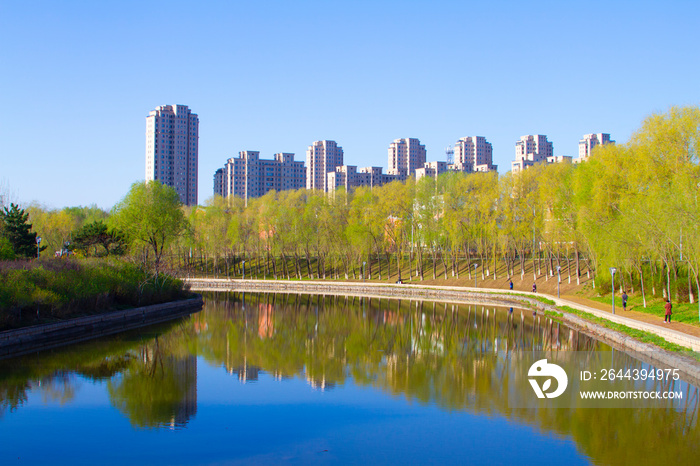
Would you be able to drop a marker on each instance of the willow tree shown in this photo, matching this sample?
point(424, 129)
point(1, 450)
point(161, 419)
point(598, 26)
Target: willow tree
point(522, 214)
point(394, 206)
point(150, 215)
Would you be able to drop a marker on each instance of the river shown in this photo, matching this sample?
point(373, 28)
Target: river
point(270, 378)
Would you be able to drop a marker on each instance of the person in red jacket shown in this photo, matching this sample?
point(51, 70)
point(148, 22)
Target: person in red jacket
point(667, 317)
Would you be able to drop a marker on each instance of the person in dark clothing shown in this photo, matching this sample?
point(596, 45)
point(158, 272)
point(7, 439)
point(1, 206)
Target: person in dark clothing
point(667, 317)
point(510, 284)
point(534, 287)
point(624, 300)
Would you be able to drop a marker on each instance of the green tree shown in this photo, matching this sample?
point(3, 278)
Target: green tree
point(98, 240)
point(6, 251)
point(18, 231)
point(150, 214)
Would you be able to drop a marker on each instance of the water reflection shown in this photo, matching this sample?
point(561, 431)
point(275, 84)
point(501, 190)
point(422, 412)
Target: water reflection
point(459, 358)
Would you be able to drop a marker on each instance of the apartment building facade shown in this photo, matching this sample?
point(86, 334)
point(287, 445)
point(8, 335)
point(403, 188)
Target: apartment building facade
point(405, 157)
point(350, 177)
point(172, 150)
point(322, 157)
point(589, 141)
point(531, 149)
point(248, 176)
point(432, 169)
point(473, 154)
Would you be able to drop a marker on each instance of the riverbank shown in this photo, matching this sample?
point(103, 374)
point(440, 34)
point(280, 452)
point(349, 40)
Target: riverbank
point(53, 290)
point(516, 298)
point(41, 337)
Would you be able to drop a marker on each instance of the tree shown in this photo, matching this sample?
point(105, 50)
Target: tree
point(150, 214)
point(6, 251)
point(97, 239)
point(17, 230)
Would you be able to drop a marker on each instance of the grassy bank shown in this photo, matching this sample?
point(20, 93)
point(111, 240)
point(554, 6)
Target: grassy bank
point(640, 335)
point(34, 292)
point(684, 312)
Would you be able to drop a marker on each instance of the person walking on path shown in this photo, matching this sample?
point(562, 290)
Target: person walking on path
point(667, 317)
point(534, 287)
point(624, 300)
point(510, 284)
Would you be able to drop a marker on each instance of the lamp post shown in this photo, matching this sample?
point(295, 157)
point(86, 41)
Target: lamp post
point(558, 279)
point(38, 249)
point(612, 272)
point(476, 266)
point(243, 270)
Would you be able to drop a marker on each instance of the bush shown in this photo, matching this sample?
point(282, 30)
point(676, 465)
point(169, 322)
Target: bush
point(49, 289)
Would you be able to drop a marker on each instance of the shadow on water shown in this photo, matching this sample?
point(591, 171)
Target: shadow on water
point(457, 357)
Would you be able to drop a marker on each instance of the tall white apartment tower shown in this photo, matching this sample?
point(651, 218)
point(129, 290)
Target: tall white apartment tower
point(531, 149)
point(321, 158)
point(473, 154)
point(589, 141)
point(405, 157)
point(172, 149)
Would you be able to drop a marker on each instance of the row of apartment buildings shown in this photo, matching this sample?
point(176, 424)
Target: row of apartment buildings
point(172, 156)
point(532, 149)
point(249, 176)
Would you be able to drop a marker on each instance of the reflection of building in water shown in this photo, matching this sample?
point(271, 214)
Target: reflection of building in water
point(392, 318)
point(245, 372)
point(320, 383)
point(185, 374)
point(266, 326)
point(279, 376)
point(200, 323)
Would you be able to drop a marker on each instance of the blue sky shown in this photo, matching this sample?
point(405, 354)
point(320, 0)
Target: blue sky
point(78, 78)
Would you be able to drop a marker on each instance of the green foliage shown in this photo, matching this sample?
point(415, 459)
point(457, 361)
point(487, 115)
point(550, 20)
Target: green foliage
point(18, 231)
point(150, 214)
point(63, 288)
point(96, 239)
point(6, 251)
point(56, 226)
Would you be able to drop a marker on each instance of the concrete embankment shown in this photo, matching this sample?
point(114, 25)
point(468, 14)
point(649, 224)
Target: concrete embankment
point(40, 337)
point(647, 352)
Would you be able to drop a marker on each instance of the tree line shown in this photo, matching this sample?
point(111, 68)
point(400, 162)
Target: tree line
point(631, 206)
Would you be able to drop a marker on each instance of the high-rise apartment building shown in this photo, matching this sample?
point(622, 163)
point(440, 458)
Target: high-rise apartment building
point(531, 149)
point(473, 154)
point(248, 176)
point(172, 149)
point(321, 158)
point(589, 141)
point(219, 182)
point(405, 157)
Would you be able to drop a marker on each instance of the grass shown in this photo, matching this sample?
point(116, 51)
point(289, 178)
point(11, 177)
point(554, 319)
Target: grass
point(686, 313)
point(640, 335)
point(33, 292)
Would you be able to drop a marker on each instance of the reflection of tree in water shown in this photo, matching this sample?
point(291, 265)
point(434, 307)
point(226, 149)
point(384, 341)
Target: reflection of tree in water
point(54, 373)
point(458, 357)
point(13, 394)
point(158, 389)
point(58, 388)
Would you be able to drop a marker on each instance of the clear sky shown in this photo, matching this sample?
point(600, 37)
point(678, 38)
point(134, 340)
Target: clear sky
point(78, 78)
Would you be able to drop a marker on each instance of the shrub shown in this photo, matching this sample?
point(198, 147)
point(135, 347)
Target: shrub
point(34, 291)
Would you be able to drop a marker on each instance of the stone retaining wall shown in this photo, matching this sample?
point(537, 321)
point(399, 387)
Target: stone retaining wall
point(40, 337)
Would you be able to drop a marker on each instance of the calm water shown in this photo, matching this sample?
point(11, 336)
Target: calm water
point(261, 378)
